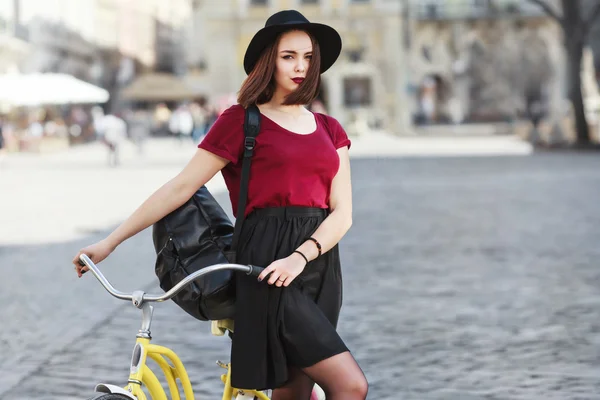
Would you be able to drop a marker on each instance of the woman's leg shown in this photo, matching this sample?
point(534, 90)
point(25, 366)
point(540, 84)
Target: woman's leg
point(340, 377)
point(298, 387)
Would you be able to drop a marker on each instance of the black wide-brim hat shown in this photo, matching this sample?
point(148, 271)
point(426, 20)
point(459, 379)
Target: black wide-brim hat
point(330, 42)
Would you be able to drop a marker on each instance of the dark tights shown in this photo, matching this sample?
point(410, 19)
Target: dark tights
point(339, 376)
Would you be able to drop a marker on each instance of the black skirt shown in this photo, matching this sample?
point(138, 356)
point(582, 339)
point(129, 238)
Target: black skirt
point(277, 327)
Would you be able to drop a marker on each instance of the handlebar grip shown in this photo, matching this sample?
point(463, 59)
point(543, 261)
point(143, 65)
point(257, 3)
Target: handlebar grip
point(255, 271)
point(81, 264)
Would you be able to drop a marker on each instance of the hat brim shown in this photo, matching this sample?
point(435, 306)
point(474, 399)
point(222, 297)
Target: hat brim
point(330, 43)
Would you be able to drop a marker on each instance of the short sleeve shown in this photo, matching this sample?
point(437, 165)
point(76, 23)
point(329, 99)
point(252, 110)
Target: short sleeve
point(226, 137)
point(338, 134)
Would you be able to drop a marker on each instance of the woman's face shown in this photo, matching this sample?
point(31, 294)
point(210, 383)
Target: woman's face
point(294, 53)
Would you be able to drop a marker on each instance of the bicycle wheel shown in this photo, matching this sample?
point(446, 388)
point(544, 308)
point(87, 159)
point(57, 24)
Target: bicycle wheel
point(109, 396)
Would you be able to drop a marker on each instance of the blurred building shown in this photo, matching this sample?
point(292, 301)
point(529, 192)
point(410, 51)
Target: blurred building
point(105, 42)
point(136, 37)
point(482, 60)
point(433, 61)
point(14, 46)
point(366, 83)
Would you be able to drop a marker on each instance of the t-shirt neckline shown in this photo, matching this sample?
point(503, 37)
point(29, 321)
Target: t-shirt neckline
point(292, 132)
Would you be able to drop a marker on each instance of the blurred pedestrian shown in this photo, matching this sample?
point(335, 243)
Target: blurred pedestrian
point(161, 118)
point(112, 130)
point(428, 100)
point(181, 123)
point(2, 141)
point(140, 124)
point(199, 115)
point(535, 105)
point(211, 116)
point(317, 106)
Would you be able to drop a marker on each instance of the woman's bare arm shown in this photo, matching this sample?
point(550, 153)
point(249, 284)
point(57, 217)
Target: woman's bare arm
point(328, 234)
point(200, 169)
point(335, 226)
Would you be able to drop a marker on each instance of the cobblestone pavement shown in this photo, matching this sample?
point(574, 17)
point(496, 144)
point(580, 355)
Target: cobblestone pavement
point(465, 278)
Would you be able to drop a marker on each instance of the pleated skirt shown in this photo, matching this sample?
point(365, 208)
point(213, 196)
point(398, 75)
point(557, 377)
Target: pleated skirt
point(279, 327)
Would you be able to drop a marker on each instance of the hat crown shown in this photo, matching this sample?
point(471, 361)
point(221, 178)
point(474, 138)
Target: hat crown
point(286, 17)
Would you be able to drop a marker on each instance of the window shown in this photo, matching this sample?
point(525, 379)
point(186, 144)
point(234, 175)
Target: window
point(482, 6)
point(431, 9)
point(357, 92)
point(355, 55)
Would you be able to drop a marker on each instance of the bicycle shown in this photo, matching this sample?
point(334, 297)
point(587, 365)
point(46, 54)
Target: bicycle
point(140, 375)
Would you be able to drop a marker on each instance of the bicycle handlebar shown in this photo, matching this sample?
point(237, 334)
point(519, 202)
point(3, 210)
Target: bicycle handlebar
point(248, 269)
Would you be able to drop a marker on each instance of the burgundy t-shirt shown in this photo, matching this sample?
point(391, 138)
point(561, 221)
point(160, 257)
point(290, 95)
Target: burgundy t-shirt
point(288, 169)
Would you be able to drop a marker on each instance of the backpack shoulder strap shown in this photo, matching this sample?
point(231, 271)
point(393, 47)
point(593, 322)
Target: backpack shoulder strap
point(251, 130)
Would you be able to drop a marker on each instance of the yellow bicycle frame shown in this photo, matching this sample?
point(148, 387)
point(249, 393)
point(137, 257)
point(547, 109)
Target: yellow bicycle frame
point(173, 369)
point(140, 375)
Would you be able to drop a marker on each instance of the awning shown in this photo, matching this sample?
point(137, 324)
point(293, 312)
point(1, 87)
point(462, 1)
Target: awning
point(159, 87)
point(48, 89)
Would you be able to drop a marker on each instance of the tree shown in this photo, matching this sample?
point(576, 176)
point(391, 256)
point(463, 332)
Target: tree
point(575, 24)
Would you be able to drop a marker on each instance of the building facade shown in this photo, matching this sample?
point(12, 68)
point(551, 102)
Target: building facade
point(138, 36)
point(364, 86)
point(481, 60)
point(14, 46)
point(403, 61)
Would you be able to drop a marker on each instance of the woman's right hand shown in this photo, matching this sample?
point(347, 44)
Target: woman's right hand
point(96, 252)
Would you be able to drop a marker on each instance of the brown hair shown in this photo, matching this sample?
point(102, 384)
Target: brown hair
point(259, 86)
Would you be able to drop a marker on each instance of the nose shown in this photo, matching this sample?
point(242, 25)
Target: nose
point(300, 66)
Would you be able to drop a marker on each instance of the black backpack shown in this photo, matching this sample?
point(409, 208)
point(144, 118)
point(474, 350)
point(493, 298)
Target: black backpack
point(199, 234)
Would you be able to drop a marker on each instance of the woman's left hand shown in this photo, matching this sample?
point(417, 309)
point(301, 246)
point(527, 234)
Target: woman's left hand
point(284, 271)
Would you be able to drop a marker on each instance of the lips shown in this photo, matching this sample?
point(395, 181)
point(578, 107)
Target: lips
point(298, 80)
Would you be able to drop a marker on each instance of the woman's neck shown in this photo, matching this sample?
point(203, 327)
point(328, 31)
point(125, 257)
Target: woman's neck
point(276, 103)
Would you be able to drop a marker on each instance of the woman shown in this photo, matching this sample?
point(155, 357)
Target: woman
point(299, 207)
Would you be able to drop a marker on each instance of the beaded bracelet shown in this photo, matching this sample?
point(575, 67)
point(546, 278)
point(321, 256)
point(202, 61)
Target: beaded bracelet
point(318, 245)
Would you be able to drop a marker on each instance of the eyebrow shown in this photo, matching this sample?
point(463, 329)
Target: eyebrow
point(294, 52)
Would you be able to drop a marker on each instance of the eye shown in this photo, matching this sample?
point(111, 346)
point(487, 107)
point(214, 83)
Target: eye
point(288, 57)
point(309, 57)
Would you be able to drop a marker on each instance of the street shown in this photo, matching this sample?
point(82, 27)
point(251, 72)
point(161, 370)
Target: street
point(465, 277)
